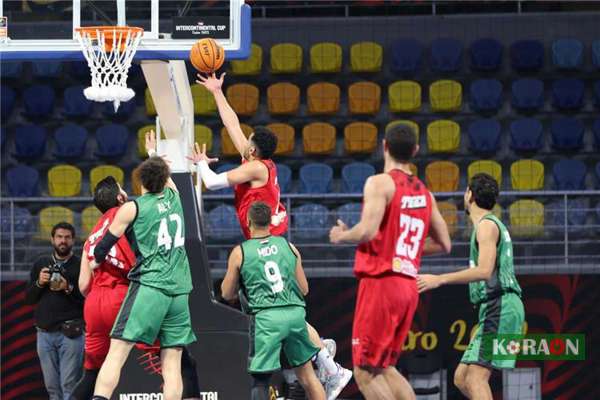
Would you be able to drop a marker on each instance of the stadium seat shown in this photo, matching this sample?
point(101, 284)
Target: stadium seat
point(7, 101)
point(445, 96)
point(141, 139)
point(111, 140)
point(64, 181)
point(489, 167)
point(203, 135)
point(227, 147)
point(364, 98)
point(567, 53)
point(79, 69)
point(38, 101)
point(325, 57)
point(46, 69)
point(126, 109)
point(360, 137)
point(204, 101)
point(250, 66)
point(443, 136)
point(527, 55)
point(366, 57)
point(323, 98)
point(243, 98)
point(410, 123)
point(22, 223)
point(311, 221)
point(596, 53)
point(442, 176)
point(70, 140)
point(75, 104)
point(484, 136)
point(354, 176)
point(136, 184)
point(284, 178)
point(567, 133)
point(404, 96)
point(527, 94)
point(407, 56)
point(224, 168)
point(102, 171)
point(315, 178)
point(89, 218)
point(567, 94)
point(286, 137)
point(22, 181)
point(283, 98)
point(50, 216)
point(596, 131)
point(449, 212)
point(596, 90)
point(526, 218)
point(286, 58)
point(318, 138)
point(576, 216)
point(486, 54)
point(527, 175)
point(150, 109)
point(526, 134)
point(486, 95)
point(30, 141)
point(11, 69)
point(2, 138)
point(349, 213)
point(569, 174)
point(223, 223)
point(598, 173)
point(446, 55)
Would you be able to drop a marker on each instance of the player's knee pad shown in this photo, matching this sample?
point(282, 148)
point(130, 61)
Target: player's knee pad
point(85, 387)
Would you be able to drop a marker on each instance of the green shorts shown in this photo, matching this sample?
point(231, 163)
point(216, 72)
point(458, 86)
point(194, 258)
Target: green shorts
point(501, 315)
point(147, 314)
point(273, 328)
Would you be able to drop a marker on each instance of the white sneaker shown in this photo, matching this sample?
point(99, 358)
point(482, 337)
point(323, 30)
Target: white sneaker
point(331, 346)
point(334, 384)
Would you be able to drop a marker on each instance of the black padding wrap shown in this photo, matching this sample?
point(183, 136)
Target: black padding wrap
point(102, 248)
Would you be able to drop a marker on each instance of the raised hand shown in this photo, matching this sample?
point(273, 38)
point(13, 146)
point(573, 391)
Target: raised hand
point(199, 154)
point(211, 82)
point(150, 142)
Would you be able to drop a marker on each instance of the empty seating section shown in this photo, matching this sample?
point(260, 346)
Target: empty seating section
point(484, 136)
point(318, 138)
point(407, 56)
point(70, 141)
point(286, 138)
point(203, 135)
point(449, 212)
point(446, 55)
point(567, 133)
point(526, 218)
point(284, 178)
point(64, 181)
point(567, 94)
point(204, 101)
point(354, 176)
point(527, 175)
point(569, 174)
point(366, 57)
point(486, 95)
point(38, 101)
point(443, 136)
point(30, 141)
point(286, 58)
point(223, 223)
point(283, 98)
point(315, 178)
point(243, 98)
point(102, 171)
point(445, 96)
point(112, 141)
point(311, 221)
point(323, 98)
point(227, 147)
point(50, 216)
point(526, 134)
point(567, 53)
point(325, 58)
point(364, 98)
point(486, 54)
point(250, 66)
point(527, 94)
point(360, 137)
point(442, 176)
point(527, 55)
point(22, 181)
point(75, 104)
point(89, 218)
point(404, 96)
point(489, 167)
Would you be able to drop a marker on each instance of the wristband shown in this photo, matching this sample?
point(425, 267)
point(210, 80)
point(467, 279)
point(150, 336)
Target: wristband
point(102, 248)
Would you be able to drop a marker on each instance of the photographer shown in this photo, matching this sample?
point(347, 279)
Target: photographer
point(58, 314)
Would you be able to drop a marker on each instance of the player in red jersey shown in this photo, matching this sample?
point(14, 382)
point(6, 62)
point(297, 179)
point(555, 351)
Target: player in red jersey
point(399, 213)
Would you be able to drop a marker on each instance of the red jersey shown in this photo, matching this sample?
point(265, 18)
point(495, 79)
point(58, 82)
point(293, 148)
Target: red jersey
point(270, 194)
point(399, 242)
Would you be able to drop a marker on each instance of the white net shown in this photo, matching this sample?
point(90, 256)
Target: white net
point(109, 51)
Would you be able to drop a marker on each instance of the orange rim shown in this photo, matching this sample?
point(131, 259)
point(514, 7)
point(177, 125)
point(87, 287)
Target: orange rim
point(109, 31)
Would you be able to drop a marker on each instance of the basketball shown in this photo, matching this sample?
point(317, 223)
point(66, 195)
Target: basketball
point(207, 56)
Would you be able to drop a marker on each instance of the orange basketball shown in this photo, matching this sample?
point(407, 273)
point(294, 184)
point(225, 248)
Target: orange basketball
point(207, 56)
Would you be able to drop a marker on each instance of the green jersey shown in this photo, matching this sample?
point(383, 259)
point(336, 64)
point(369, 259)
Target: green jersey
point(268, 274)
point(157, 236)
point(503, 278)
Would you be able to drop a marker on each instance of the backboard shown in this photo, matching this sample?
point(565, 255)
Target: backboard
point(44, 29)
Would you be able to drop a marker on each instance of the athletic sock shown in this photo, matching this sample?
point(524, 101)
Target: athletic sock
point(324, 360)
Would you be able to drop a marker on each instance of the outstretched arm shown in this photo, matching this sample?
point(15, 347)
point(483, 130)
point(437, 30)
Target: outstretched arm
point(439, 238)
point(230, 285)
point(123, 218)
point(151, 150)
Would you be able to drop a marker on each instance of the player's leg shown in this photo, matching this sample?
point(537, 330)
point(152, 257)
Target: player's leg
point(189, 375)
point(171, 373)
point(260, 386)
point(325, 360)
point(309, 381)
point(109, 374)
point(460, 378)
point(372, 384)
point(477, 381)
point(398, 384)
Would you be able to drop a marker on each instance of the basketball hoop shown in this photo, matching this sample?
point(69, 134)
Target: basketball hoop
point(109, 51)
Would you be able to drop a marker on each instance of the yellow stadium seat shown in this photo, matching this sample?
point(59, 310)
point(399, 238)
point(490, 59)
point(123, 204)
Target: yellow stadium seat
point(366, 57)
point(89, 218)
point(450, 214)
point(326, 57)
point(414, 169)
point(243, 98)
point(64, 181)
point(250, 66)
point(445, 96)
point(360, 137)
point(489, 167)
point(286, 58)
point(203, 135)
point(404, 96)
point(527, 175)
point(286, 137)
point(141, 142)
point(364, 98)
point(102, 171)
point(204, 101)
point(227, 146)
point(442, 176)
point(150, 109)
point(526, 218)
point(283, 98)
point(323, 98)
point(318, 138)
point(136, 185)
point(410, 123)
point(443, 136)
point(51, 216)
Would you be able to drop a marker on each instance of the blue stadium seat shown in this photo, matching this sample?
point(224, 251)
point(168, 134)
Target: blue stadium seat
point(38, 100)
point(567, 94)
point(225, 168)
point(528, 94)
point(23, 223)
point(407, 55)
point(7, 101)
point(576, 216)
point(486, 95)
point(2, 138)
point(30, 141)
point(70, 141)
point(354, 176)
point(75, 103)
point(46, 69)
point(484, 136)
point(598, 173)
point(112, 140)
point(284, 178)
point(526, 134)
point(486, 54)
point(567, 53)
point(597, 93)
point(125, 109)
point(80, 69)
point(596, 53)
point(23, 181)
point(315, 178)
point(349, 213)
point(596, 130)
point(446, 55)
point(223, 223)
point(311, 221)
point(569, 174)
point(11, 69)
point(567, 134)
point(527, 55)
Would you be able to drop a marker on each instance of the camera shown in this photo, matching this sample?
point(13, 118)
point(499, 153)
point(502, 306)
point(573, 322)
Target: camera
point(56, 273)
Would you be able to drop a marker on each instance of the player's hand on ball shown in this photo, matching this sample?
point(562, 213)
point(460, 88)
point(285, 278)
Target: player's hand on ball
point(211, 82)
point(335, 234)
point(150, 142)
point(427, 282)
point(199, 154)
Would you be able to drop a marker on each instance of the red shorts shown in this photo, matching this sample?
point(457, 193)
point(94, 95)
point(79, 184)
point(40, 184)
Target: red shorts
point(385, 307)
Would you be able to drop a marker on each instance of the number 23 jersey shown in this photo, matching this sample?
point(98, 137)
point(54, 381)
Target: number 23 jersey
point(397, 247)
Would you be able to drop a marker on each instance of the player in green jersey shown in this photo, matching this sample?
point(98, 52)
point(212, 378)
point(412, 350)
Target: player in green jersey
point(269, 271)
point(493, 287)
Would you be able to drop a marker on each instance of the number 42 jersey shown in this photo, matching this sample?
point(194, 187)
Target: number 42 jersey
point(398, 245)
